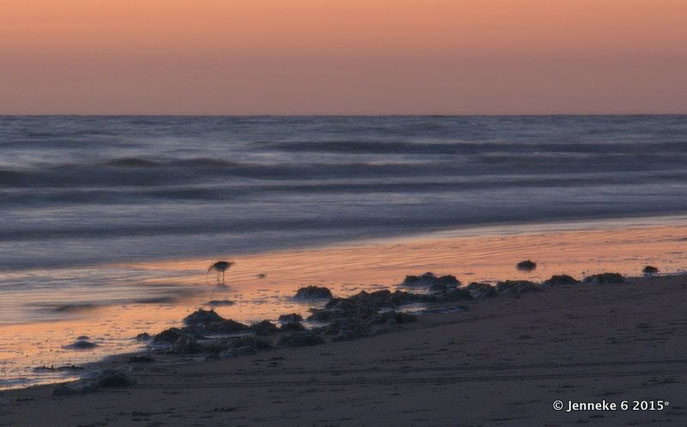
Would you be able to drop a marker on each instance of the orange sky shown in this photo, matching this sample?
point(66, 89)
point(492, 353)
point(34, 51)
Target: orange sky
point(343, 56)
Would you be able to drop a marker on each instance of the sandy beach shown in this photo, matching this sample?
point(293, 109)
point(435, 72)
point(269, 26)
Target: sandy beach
point(504, 361)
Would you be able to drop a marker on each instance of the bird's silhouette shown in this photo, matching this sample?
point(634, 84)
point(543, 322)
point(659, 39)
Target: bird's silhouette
point(220, 267)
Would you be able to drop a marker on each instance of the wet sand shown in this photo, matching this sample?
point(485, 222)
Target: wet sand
point(503, 362)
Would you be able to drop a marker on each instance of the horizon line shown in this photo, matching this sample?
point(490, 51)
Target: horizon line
point(333, 114)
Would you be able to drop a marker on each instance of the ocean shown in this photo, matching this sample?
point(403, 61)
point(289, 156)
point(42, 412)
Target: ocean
point(84, 190)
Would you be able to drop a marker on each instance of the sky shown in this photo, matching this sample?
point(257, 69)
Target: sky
point(343, 56)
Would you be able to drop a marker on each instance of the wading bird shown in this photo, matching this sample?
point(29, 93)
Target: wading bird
point(220, 267)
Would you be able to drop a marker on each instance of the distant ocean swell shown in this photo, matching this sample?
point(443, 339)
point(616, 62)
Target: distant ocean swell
point(98, 189)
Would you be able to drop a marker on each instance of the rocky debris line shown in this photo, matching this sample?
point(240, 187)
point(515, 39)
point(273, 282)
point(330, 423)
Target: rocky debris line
point(605, 278)
point(526, 265)
point(189, 343)
point(349, 328)
point(290, 318)
point(313, 292)
point(360, 315)
point(363, 314)
point(560, 280)
point(364, 304)
point(219, 303)
point(515, 287)
point(481, 290)
point(109, 378)
point(649, 270)
point(431, 282)
point(371, 313)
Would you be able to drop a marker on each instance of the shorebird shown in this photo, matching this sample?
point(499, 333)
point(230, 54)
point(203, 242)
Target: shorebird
point(219, 267)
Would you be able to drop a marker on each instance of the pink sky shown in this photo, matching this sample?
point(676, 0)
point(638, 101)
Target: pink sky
point(343, 56)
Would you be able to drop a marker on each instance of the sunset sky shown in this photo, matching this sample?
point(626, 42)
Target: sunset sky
point(343, 56)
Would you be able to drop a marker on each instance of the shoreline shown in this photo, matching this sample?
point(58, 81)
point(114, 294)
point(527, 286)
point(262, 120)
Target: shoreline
point(469, 230)
point(423, 371)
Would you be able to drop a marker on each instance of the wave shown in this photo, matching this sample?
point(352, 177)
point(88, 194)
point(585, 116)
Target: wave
point(146, 172)
point(250, 190)
point(134, 162)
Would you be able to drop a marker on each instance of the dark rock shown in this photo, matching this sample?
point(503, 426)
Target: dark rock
point(401, 298)
point(455, 295)
point(208, 321)
point(371, 302)
point(353, 328)
point(394, 318)
point(321, 316)
point(264, 328)
point(291, 327)
point(171, 335)
point(560, 280)
point(143, 337)
point(186, 345)
point(219, 303)
point(526, 265)
point(438, 289)
point(605, 278)
point(481, 290)
point(226, 326)
point(290, 318)
point(431, 282)
point(313, 292)
point(515, 287)
point(367, 300)
point(202, 317)
point(649, 270)
point(298, 339)
point(365, 305)
point(83, 338)
point(80, 345)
